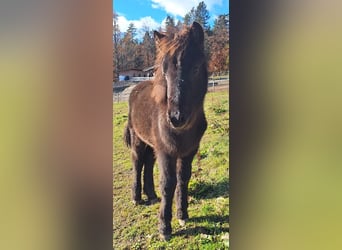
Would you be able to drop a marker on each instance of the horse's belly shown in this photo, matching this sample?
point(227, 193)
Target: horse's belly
point(142, 130)
point(142, 119)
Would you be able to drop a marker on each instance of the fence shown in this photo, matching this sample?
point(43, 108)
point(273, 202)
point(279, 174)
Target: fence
point(214, 84)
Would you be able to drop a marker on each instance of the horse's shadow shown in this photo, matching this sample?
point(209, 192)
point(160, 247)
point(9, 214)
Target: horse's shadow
point(208, 230)
point(204, 190)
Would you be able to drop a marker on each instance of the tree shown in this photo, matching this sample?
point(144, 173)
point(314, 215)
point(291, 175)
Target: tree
point(179, 25)
point(202, 15)
point(189, 17)
point(219, 61)
point(138, 59)
point(116, 43)
point(170, 26)
point(221, 24)
point(129, 48)
point(148, 49)
point(131, 32)
point(131, 53)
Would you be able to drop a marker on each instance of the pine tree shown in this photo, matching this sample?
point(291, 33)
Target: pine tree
point(148, 49)
point(116, 43)
point(202, 15)
point(129, 48)
point(170, 26)
point(221, 24)
point(131, 32)
point(199, 14)
point(131, 53)
point(179, 25)
point(189, 17)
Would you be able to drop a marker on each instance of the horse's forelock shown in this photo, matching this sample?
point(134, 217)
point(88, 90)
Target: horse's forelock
point(172, 45)
point(168, 47)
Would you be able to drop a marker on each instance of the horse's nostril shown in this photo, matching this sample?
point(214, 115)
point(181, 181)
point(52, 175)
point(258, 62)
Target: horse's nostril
point(176, 118)
point(175, 115)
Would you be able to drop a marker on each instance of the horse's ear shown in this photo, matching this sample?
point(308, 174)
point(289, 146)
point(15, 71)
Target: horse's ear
point(158, 37)
point(197, 32)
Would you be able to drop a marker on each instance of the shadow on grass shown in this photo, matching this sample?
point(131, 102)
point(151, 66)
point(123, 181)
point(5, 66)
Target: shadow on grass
point(209, 230)
point(204, 190)
point(210, 218)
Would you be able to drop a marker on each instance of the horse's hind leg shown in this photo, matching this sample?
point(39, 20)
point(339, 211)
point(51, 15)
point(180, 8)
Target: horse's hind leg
point(183, 177)
point(138, 148)
point(148, 176)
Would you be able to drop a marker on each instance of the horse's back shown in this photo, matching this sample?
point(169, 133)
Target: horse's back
point(141, 90)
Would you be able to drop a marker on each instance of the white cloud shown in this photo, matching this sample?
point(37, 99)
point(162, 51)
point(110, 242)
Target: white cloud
point(155, 6)
point(141, 24)
point(181, 7)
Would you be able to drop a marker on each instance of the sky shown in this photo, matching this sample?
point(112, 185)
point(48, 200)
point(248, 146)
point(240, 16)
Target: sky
point(152, 13)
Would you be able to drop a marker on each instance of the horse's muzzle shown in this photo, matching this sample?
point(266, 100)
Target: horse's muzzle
point(176, 119)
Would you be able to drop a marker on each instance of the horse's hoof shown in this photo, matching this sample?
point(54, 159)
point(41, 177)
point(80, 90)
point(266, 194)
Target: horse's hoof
point(153, 201)
point(182, 222)
point(165, 237)
point(138, 202)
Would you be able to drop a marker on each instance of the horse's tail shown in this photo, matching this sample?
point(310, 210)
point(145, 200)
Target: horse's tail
point(127, 136)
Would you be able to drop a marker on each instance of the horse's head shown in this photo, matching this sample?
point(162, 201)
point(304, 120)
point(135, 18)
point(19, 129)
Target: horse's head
point(183, 72)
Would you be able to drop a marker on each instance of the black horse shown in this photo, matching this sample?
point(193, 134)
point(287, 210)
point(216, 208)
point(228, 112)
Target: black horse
point(166, 121)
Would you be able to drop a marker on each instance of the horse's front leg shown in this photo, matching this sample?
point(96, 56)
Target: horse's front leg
point(168, 181)
point(183, 177)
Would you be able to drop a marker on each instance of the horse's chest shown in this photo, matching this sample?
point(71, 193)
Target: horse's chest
point(181, 144)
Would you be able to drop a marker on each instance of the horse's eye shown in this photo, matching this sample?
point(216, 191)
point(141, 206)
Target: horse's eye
point(164, 68)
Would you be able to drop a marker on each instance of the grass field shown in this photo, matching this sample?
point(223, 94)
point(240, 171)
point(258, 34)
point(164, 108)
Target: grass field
point(135, 227)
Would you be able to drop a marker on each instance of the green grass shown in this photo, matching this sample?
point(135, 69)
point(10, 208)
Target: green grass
point(136, 227)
